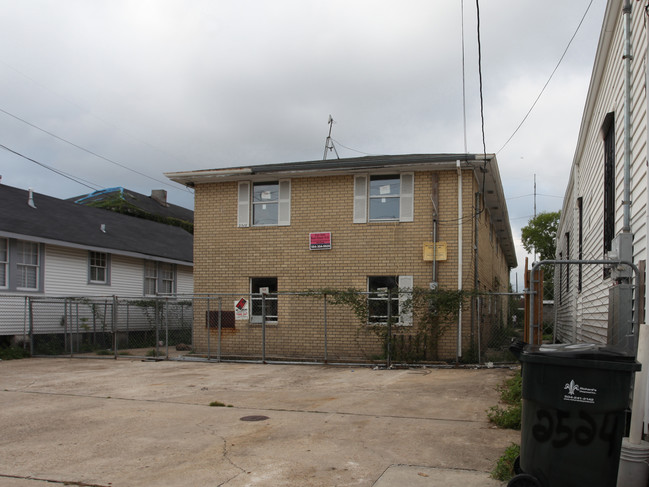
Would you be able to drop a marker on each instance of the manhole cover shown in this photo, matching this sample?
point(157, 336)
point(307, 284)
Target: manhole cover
point(254, 418)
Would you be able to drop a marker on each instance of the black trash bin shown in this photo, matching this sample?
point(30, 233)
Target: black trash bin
point(573, 419)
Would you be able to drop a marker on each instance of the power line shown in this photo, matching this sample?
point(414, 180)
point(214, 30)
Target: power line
point(91, 185)
point(548, 81)
point(88, 151)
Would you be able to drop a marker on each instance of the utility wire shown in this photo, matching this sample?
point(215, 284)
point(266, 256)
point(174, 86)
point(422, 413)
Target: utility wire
point(76, 179)
point(549, 79)
point(89, 151)
point(355, 150)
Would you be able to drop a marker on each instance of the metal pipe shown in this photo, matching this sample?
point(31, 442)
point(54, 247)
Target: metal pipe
point(626, 204)
point(459, 256)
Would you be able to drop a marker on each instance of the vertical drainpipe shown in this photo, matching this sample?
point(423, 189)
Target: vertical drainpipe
point(459, 256)
point(626, 204)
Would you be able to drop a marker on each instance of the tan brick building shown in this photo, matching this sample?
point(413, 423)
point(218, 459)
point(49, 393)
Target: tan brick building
point(359, 223)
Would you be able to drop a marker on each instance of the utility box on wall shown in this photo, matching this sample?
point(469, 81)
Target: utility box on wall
point(620, 318)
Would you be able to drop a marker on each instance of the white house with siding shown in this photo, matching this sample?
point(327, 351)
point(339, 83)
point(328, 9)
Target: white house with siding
point(56, 248)
point(601, 204)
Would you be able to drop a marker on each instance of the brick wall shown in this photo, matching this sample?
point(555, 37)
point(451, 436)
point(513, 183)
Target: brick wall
point(226, 257)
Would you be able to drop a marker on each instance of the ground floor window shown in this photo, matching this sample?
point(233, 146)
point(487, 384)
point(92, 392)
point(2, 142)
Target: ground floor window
point(263, 297)
point(159, 278)
point(387, 299)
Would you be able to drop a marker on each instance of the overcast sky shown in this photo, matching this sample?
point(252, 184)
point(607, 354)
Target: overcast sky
point(166, 85)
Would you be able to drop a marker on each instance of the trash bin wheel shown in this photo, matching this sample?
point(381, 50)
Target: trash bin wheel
point(517, 465)
point(524, 480)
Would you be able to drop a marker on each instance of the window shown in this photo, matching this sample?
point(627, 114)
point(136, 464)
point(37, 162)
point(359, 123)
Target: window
point(568, 266)
point(387, 296)
point(150, 278)
point(265, 203)
point(98, 268)
point(383, 198)
point(608, 131)
point(263, 294)
point(167, 278)
point(159, 278)
point(28, 267)
point(580, 249)
point(21, 265)
point(4, 263)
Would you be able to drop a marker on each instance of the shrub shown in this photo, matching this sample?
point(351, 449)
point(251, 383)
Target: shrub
point(509, 415)
point(13, 352)
point(504, 469)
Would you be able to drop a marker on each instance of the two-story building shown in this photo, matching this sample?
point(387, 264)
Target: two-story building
point(372, 224)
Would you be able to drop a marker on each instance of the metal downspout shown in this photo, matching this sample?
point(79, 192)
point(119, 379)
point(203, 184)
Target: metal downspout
point(459, 256)
point(626, 204)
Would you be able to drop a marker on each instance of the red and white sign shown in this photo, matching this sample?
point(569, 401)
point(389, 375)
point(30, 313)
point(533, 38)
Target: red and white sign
point(241, 309)
point(320, 241)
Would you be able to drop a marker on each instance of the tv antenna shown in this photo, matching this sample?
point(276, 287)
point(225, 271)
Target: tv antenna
point(329, 143)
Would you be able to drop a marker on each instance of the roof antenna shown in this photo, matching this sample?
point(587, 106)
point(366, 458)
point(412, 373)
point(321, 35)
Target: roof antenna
point(329, 143)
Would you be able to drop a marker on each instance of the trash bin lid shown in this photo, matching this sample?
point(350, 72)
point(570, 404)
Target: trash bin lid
point(579, 354)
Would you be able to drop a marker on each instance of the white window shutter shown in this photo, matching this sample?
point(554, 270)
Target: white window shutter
point(406, 205)
point(360, 199)
point(284, 214)
point(405, 297)
point(243, 218)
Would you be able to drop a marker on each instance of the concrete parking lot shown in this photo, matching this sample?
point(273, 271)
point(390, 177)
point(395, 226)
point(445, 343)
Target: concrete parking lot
point(133, 423)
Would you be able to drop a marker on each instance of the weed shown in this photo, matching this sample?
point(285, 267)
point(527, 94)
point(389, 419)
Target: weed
point(508, 416)
point(219, 404)
point(504, 469)
point(12, 353)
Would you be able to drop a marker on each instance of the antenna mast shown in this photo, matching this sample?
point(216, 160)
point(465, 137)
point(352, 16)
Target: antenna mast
point(329, 143)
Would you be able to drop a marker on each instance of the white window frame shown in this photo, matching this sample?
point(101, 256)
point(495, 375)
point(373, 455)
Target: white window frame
point(246, 204)
point(362, 198)
point(23, 267)
point(150, 277)
point(255, 301)
point(167, 279)
point(4, 263)
point(94, 265)
point(161, 276)
point(400, 298)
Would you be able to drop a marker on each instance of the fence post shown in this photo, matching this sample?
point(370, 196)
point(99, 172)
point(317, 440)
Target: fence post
point(325, 329)
point(263, 328)
point(157, 326)
point(113, 317)
point(209, 325)
point(31, 327)
point(167, 325)
point(389, 342)
point(218, 342)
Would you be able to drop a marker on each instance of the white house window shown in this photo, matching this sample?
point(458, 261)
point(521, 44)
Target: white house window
point(387, 298)
point(263, 294)
point(150, 278)
point(379, 198)
point(159, 278)
point(27, 262)
point(384, 197)
point(167, 278)
point(264, 203)
point(98, 268)
point(4, 263)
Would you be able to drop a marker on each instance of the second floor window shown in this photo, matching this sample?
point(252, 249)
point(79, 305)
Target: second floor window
point(264, 203)
point(384, 198)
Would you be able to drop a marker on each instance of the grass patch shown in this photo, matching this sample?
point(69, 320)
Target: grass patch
point(219, 404)
point(13, 353)
point(504, 469)
point(509, 415)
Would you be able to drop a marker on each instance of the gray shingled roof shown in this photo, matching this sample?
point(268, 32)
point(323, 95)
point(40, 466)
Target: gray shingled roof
point(54, 220)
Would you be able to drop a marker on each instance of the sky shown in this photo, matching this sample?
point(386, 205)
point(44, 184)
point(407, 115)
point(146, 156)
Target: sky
point(118, 93)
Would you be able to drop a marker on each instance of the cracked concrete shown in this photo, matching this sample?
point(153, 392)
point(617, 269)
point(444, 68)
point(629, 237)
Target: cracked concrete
point(134, 423)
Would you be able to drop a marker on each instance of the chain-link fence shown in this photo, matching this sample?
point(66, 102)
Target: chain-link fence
point(387, 327)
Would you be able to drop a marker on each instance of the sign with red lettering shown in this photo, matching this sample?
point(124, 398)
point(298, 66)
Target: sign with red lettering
point(320, 241)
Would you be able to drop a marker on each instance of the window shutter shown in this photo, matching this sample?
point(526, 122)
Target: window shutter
point(284, 214)
point(243, 218)
point(405, 297)
point(406, 205)
point(360, 199)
